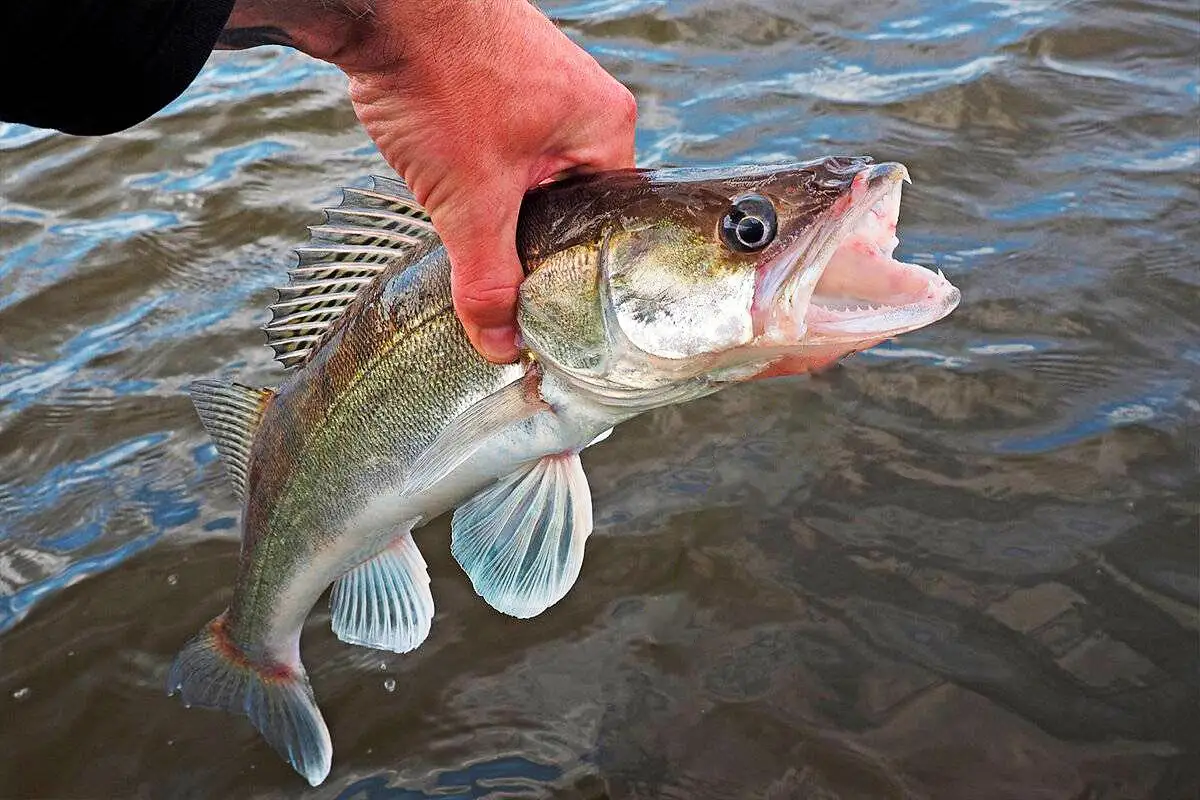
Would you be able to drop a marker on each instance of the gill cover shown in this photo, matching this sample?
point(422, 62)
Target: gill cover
point(676, 291)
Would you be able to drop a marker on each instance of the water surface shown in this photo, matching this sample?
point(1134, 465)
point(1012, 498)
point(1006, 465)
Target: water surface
point(962, 565)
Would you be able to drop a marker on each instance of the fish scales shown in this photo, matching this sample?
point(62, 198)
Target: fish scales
point(643, 288)
point(336, 443)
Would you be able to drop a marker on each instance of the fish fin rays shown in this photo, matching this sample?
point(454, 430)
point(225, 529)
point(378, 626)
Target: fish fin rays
point(467, 432)
point(521, 540)
point(369, 232)
point(385, 603)
point(212, 672)
point(231, 412)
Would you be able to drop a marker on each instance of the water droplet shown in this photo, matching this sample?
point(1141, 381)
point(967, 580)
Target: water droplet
point(383, 666)
point(390, 684)
point(23, 692)
point(172, 579)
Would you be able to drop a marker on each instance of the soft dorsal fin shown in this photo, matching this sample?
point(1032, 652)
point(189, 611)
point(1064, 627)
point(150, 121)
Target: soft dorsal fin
point(370, 231)
point(230, 412)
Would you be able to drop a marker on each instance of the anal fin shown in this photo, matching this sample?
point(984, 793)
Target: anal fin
point(385, 603)
point(521, 539)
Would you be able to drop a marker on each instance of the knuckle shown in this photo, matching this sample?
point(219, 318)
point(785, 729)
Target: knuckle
point(627, 106)
point(485, 299)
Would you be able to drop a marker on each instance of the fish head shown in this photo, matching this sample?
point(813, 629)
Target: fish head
point(642, 279)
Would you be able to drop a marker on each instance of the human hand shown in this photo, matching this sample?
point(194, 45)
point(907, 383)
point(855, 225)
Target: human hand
point(474, 102)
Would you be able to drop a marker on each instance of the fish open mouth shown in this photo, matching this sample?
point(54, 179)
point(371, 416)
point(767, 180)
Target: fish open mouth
point(838, 283)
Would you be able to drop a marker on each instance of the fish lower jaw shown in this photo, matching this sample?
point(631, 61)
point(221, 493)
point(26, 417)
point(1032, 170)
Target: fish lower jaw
point(864, 294)
point(830, 320)
point(847, 265)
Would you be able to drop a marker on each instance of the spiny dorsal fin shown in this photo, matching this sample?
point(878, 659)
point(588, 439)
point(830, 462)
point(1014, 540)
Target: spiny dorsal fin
point(230, 413)
point(362, 237)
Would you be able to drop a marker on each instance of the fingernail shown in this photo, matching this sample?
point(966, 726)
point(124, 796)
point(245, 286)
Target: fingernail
point(500, 343)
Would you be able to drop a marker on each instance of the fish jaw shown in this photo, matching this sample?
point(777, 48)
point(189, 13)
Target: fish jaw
point(838, 289)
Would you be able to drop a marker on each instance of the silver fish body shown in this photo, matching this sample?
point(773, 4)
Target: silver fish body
point(644, 288)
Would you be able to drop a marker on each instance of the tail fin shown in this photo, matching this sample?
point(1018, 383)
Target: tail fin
point(212, 672)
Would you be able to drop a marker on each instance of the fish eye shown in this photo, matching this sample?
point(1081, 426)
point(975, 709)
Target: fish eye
point(749, 225)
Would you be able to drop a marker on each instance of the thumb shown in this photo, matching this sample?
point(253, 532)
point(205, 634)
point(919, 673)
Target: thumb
point(485, 272)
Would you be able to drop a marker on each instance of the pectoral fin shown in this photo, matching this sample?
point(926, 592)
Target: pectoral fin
point(460, 439)
point(521, 539)
point(385, 603)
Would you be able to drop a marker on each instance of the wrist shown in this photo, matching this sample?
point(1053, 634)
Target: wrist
point(425, 41)
point(320, 28)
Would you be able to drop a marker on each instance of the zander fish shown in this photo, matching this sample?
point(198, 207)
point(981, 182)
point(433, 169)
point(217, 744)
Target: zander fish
point(644, 288)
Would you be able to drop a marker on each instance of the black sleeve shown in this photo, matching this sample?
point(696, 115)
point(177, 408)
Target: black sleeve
point(91, 67)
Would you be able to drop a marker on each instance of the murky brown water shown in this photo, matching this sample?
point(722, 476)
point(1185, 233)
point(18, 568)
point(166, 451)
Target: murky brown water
point(964, 565)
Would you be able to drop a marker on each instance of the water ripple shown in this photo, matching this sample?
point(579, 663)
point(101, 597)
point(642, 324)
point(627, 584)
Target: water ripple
point(33, 266)
point(857, 84)
point(225, 165)
point(25, 384)
point(982, 531)
point(34, 566)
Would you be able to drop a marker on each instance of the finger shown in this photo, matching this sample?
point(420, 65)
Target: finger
point(485, 272)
